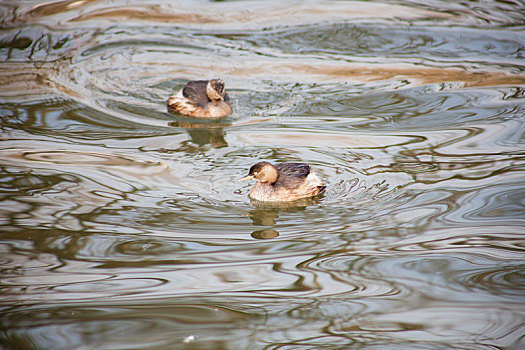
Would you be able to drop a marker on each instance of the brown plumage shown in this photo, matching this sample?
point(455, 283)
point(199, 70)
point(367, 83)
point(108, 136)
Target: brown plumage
point(201, 98)
point(283, 182)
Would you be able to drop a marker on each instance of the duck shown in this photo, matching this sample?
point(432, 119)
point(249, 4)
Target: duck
point(202, 99)
point(283, 182)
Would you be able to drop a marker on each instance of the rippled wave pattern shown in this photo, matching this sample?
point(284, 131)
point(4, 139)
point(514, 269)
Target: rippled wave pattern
point(124, 226)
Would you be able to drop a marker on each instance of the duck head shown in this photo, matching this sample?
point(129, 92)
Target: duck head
point(215, 90)
point(262, 172)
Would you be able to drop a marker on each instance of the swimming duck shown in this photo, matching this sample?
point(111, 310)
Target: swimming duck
point(283, 182)
point(201, 98)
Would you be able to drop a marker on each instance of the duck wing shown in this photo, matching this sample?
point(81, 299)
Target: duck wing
point(195, 92)
point(292, 175)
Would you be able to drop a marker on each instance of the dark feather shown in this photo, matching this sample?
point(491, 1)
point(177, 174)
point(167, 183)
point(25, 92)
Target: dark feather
point(291, 175)
point(195, 91)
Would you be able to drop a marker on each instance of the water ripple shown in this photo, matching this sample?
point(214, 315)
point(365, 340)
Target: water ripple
point(122, 224)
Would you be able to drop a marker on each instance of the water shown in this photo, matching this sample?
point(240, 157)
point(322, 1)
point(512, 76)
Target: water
point(125, 227)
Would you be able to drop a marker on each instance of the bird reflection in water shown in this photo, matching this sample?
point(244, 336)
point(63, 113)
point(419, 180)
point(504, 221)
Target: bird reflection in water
point(267, 233)
point(267, 213)
point(202, 134)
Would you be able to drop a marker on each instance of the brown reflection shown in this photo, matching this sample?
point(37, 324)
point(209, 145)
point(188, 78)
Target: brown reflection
point(28, 80)
point(266, 214)
point(54, 7)
point(202, 133)
point(265, 234)
point(264, 217)
point(212, 136)
point(415, 75)
point(273, 12)
point(423, 75)
point(367, 72)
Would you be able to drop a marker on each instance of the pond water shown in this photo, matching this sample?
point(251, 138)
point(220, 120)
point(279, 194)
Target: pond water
point(125, 227)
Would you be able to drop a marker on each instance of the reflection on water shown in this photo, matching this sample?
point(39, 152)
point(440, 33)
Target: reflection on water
point(267, 233)
point(267, 214)
point(124, 226)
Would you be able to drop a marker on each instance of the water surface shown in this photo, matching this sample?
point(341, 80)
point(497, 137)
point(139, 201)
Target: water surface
point(124, 226)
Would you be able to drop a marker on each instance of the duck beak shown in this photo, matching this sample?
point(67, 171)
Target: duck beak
point(249, 177)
